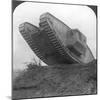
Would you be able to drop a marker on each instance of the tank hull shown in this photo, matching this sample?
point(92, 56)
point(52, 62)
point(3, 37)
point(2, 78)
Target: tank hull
point(49, 41)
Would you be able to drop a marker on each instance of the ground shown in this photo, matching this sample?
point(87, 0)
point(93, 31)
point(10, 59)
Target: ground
point(56, 80)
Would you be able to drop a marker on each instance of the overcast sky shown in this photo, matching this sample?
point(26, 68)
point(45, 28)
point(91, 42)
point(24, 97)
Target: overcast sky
point(81, 17)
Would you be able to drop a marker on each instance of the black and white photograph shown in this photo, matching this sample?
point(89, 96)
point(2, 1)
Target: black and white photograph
point(54, 49)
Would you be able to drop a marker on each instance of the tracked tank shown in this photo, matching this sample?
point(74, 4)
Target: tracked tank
point(56, 43)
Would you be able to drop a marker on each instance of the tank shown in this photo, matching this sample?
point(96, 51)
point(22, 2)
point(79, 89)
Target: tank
point(56, 43)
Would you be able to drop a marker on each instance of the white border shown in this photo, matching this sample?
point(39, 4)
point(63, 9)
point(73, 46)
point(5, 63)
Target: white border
point(5, 50)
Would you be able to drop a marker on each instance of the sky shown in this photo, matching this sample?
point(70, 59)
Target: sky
point(75, 16)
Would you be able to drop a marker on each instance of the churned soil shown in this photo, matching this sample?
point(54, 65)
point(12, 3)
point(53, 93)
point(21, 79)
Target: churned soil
point(56, 80)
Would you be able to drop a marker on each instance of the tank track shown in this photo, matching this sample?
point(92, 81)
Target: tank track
point(44, 25)
point(29, 40)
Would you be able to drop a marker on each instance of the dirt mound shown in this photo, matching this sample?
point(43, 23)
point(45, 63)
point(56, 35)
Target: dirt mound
point(56, 80)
